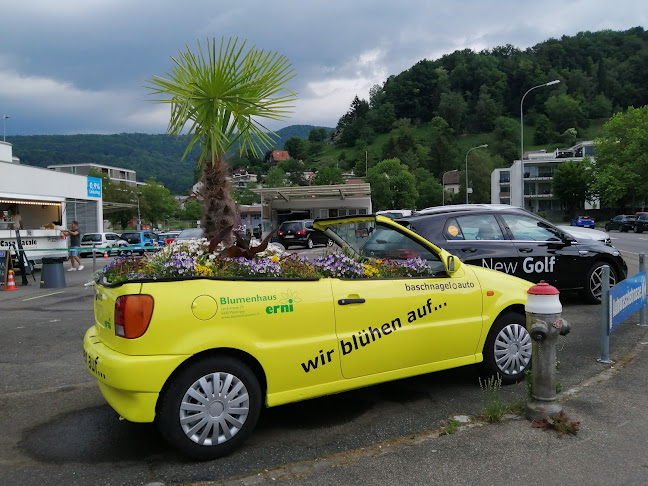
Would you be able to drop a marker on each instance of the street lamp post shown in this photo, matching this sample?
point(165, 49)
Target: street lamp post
point(443, 183)
point(470, 150)
point(555, 81)
point(4, 127)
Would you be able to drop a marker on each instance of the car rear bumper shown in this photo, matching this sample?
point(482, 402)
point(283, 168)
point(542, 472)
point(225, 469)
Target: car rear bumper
point(130, 384)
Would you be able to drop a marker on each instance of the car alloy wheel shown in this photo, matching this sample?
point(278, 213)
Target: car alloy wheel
point(594, 284)
point(507, 351)
point(309, 243)
point(210, 407)
point(329, 242)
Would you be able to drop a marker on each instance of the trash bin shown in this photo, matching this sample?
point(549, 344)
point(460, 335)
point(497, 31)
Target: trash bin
point(52, 274)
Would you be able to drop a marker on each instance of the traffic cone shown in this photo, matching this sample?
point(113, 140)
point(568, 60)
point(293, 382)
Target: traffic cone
point(11, 283)
point(105, 253)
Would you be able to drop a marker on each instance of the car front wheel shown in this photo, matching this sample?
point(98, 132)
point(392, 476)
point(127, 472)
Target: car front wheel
point(637, 230)
point(507, 352)
point(594, 283)
point(210, 408)
point(309, 243)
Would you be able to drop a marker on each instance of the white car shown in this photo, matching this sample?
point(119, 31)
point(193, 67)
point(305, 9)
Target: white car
point(586, 234)
point(102, 242)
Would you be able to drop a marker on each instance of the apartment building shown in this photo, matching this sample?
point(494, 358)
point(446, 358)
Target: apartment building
point(539, 168)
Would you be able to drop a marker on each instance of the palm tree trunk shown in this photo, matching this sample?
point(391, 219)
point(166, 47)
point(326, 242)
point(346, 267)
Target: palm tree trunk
point(221, 210)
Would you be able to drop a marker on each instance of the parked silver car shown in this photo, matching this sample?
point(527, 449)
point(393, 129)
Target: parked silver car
point(102, 242)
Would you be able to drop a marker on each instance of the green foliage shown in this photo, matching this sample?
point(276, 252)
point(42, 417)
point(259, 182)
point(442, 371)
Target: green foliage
point(294, 170)
point(156, 202)
point(275, 178)
point(328, 175)
point(297, 148)
point(429, 189)
point(392, 185)
point(494, 407)
point(565, 112)
point(220, 95)
point(622, 159)
point(193, 211)
point(443, 154)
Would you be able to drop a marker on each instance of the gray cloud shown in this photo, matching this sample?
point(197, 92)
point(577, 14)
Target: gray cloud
point(75, 66)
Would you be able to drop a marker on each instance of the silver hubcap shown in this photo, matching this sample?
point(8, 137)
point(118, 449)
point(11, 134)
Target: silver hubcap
point(214, 409)
point(596, 281)
point(512, 349)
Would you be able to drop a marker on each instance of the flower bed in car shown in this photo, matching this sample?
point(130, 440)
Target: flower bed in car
point(192, 259)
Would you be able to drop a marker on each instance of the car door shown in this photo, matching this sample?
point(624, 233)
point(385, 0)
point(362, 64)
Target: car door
point(479, 239)
point(390, 324)
point(543, 251)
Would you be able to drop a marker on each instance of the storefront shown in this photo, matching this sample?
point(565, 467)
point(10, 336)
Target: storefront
point(46, 202)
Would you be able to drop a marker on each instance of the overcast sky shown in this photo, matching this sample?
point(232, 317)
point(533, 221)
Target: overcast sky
point(79, 66)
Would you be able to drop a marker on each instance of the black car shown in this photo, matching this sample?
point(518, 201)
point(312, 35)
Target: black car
point(517, 242)
point(641, 224)
point(621, 222)
point(301, 233)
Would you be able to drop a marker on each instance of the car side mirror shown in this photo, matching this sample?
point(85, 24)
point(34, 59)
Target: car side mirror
point(450, 264)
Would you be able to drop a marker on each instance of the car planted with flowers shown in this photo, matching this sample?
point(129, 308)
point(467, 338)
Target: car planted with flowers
point(200, 342)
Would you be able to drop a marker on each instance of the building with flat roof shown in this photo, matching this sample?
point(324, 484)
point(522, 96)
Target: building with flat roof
point(117, 174)
point(539, 168)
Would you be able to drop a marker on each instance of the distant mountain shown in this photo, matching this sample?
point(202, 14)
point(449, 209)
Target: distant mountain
point(155, 156)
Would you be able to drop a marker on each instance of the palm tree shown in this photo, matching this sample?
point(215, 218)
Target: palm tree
point(217, 99)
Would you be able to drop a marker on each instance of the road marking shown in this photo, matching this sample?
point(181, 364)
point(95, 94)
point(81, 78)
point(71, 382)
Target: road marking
point(46, 295)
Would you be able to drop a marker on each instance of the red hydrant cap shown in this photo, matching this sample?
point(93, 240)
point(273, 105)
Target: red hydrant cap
point(543, 288)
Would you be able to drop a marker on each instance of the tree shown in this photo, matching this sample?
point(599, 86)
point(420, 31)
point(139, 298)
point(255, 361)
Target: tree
point(328, 175)
point(156, 202)
point(444, 154)
point(193, 211)
point(318, 135)
point(622, 159)
point(507, 139)
point(297, 148)
point(572, 184)
point(454, 109)
point(565, 112)
point(430, 191)
point(244, 195)
point(275, 178)
point(218, 98)
point(544, 133)
point(294, 170)
point(392, 185)
point(480, 168)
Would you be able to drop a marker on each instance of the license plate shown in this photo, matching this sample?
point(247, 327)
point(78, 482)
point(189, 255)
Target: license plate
point(290, 236)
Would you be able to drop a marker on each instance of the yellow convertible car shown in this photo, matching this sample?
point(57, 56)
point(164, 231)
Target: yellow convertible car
point(201, 356)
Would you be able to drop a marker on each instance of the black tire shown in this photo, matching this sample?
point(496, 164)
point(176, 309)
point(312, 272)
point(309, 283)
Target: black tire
point(637, 230)
point(233, 377)
point(623, 229)
point(329, 242)
point(507, 351)
point(309, 243)
point(607, 228)
point(593, 284)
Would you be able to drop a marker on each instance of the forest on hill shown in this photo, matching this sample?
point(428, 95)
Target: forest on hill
point(152, 156)
point(425, 118)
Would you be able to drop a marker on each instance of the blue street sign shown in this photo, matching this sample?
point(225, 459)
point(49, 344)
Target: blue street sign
point(94, 186)
point(626, 298)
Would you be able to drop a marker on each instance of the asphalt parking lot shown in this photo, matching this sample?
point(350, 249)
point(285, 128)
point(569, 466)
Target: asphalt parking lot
point(57, 428)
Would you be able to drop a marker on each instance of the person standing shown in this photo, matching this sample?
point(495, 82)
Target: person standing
point(75, 243)
point(16, 219)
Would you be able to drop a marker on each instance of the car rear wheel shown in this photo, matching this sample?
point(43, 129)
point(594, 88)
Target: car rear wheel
point(210, 408)
point(507, 352)
point(594, 283)
point(607, 228)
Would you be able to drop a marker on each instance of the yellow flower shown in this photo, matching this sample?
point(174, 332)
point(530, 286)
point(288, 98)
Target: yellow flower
point(370, 271)
point(274, 258)
point(204, 270)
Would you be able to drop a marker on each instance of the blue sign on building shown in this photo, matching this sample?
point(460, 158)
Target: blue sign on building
point(626, 298)
point(94, 186)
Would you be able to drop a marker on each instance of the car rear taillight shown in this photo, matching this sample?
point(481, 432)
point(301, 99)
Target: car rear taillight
point(168, 240)
point(132, 315)
point(300, 232)
point(280, 233)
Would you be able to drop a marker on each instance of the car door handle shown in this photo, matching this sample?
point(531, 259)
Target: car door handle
point(469, 250)
point(351, 301)
point(526, 250)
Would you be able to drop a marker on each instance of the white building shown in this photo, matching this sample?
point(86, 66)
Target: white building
point(117, 174)
point(46, 202)
point(539, 168)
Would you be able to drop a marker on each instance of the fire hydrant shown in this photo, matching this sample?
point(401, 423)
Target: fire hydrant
point(544, 323)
